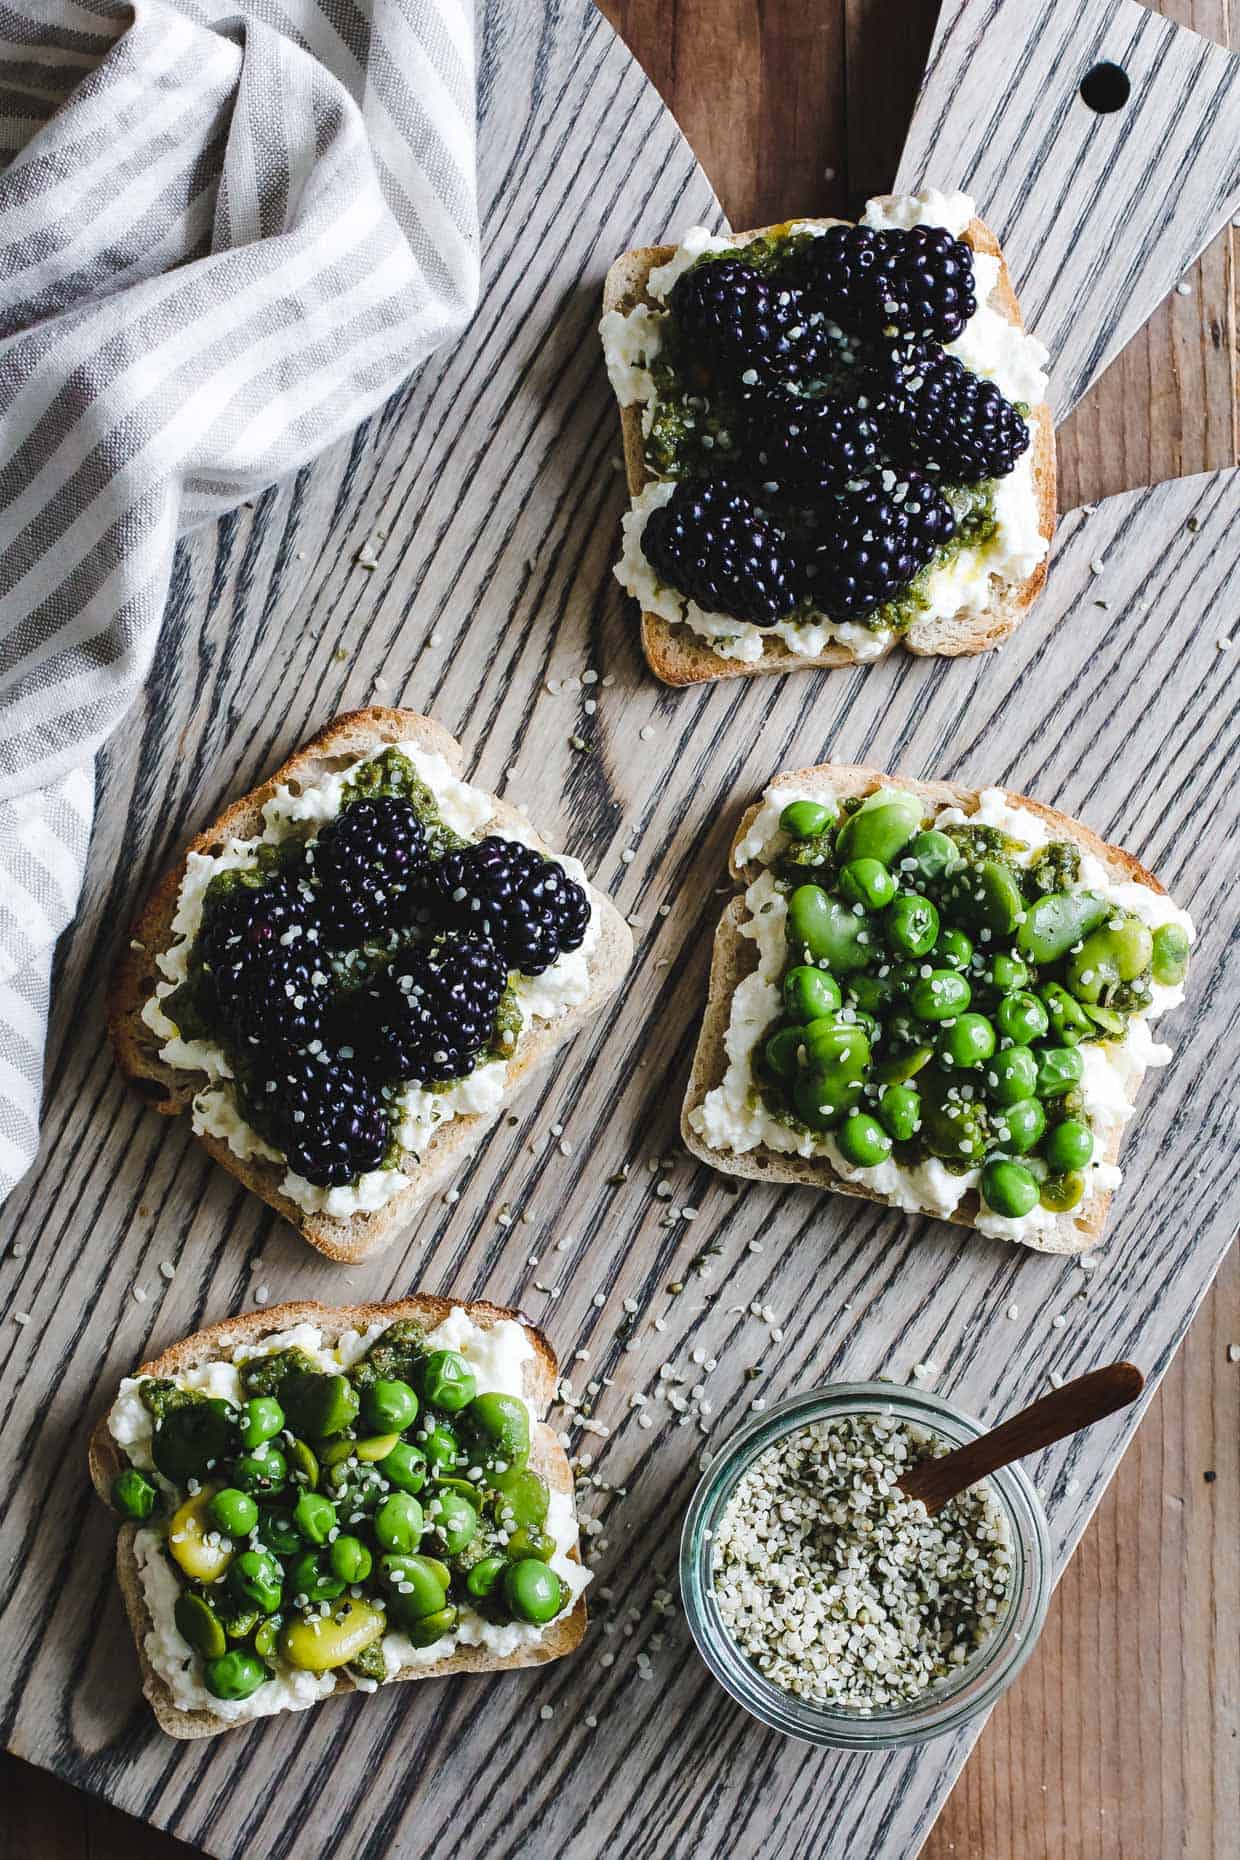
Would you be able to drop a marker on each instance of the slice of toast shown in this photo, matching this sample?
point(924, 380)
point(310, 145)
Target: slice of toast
point(547, 1457)
point(735, 956)
point(679, 656)
point(347, 738)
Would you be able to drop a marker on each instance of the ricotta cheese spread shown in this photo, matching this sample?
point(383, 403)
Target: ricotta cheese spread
point(302, 810)
point(733, 1116)
point(989, 345)
point(497, 1354)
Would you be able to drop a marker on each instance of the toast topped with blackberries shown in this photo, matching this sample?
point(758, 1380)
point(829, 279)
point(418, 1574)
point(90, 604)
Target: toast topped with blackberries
point(836, 440)
point(350, 973)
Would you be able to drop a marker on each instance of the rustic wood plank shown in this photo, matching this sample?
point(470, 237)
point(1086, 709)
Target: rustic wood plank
point(805, 1233)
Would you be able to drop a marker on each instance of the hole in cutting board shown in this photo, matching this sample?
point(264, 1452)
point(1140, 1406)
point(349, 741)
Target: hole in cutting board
point(1106, 88)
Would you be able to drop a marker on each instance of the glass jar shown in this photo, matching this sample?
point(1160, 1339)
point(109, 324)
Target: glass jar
point(952, 1701)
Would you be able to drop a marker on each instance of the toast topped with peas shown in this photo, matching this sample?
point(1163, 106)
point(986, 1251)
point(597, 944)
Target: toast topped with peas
point(319, 1500)
point(935, 997)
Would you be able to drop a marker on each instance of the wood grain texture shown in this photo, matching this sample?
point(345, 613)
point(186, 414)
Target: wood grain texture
point(134, 1192)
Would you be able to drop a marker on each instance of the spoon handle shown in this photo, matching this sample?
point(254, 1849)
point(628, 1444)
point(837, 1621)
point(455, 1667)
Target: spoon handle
point(1077, 1404)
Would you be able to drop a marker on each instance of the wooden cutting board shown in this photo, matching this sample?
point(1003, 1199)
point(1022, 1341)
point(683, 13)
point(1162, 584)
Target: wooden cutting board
point(490, 497)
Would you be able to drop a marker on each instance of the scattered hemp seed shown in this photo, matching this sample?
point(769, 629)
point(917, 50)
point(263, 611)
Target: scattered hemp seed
point(646, 732)
point(1233, 1353)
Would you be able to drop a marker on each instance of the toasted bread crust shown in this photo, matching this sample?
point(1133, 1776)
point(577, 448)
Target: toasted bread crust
point(679, 657)
point(220, 1341)
point(169, 1091)
point(734, 957)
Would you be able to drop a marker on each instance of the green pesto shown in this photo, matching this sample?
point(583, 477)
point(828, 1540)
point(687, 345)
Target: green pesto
point(392, 774)
point(160, 1397)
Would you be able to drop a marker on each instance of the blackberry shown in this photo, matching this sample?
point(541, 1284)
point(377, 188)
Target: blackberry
point(329, 1121)
point(917, 280)
point(523, 903)
point(872, 541)
point(939, 413)
point(924, 280)
point(281, 1003)
point(712, 543)
point(432, 1013)
point(245, 925)
point(799, 441)
point(365, 862)
point(744, 320)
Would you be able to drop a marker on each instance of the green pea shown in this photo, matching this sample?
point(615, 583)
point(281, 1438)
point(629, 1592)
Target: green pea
point(532, 1591)
point(1019, 1126)
point(969, 1041)
point(239, 1618)
point(315, 1517)
point(835, 1046)
point(1117, 953)
point(349, 1559)
point(189, 1441)
point(1008, 974)
point(863, 1141)
point(267, 1636)
point(805, 820)
point(277, 1530)
point(1059, 920)
point(447, 1380)
point(1067, 1020)
point(781, 1052)
point(318, 1406)
point(941, 995)
point(234, 1675)
point(810, 993)
point(1009, 1188)
point(261, 1473)
point(1059, 1069)
point(499, 1427)
point(453, 1521)
point(912, 924)
point(133, 1495)
point(389, 1406)
point(873, 994)
point(953, 949)
point(417, 1581)
point(1059, 1193)
point(1108, 1019)
point(255, 1576)
point(233, 1512)
point(197, 1622)
point(519, 1497)
point(1068, 1146)
point(823, 929)
point(303, 1466)
point(1170, 955)
point(867, 883)
point(880, 829)
point(1012, 1075)
point(430, 1628)
point(899, 1112)
point(441, 1449)
point(836, 1058)
point(525, 1541)
point(1021, 1018)
point(405, 1466)
point(262, 1418)
point(928, 857)
point(485, 1577)
point(399, 1523)
point(898, 1068)
point(312, 1576)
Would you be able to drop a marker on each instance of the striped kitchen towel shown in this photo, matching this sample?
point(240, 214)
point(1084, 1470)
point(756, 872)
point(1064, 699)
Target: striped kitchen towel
point(227, 233)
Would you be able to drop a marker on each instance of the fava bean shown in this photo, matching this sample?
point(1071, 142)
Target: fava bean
point(898, 1068)
point(315, 1517)
point(519, 1497)
point(953, 1129)
point(420, 1583)
point(430, 1628)
point(880, 829)
point(1059, 920)
point(485, 1576)
point(1059, 1069)
point(447, 1380)
point(318, 1406)
point(1170, 955)
point(197, 1622)
point(1119, 952)
point(782, 1050)
point(194, 1542)
point(323, 1643)
point(1066, 1018)
point(311, 1575)
point(824, 929)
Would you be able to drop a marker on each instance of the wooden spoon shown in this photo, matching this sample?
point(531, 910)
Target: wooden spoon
point(1077, 1404)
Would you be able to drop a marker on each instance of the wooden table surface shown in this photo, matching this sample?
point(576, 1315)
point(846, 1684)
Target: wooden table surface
point(1121, 1741)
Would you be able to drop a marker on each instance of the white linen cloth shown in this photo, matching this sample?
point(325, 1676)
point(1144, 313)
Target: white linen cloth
point(227, 234)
